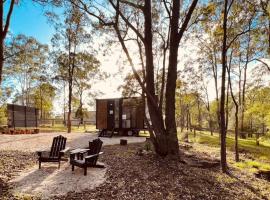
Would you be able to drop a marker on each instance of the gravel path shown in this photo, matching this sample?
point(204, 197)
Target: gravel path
point(50, 181)
point(43, 141)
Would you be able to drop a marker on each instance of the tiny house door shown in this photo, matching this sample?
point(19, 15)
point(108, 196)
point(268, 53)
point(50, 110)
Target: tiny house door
point(110, 114)
point(101, 114)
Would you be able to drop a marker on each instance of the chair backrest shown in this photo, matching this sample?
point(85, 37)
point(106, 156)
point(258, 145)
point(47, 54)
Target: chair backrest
point(59, 143)
point(95, 148)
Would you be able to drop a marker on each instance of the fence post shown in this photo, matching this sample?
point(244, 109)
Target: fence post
point(25, 120)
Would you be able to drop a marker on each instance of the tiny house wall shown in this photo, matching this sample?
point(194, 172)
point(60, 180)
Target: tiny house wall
point(121, 113)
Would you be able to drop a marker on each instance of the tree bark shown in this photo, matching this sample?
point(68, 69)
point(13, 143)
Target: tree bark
point(223, 159)
point(171, 79)
point(236, 130)
point(69, 106)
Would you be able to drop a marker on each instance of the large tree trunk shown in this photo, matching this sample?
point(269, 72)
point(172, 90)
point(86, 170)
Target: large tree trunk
point(171, 80)
point(160, 141)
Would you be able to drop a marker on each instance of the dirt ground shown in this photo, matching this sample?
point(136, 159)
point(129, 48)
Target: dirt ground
point(20, 170)
point(128, 174)
point(132, 175)
point(43, 141)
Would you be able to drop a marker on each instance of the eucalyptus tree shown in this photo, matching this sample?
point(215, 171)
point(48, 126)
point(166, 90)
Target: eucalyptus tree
point(118, 17)
point(67, 42)
point(86, 73)
point(43, 96)
point(27, 64)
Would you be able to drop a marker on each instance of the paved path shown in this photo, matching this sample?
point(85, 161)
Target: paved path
point(43, 141)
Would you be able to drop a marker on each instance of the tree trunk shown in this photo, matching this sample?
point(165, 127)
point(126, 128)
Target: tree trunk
point(3, 31)
point(199, 114)
point(223, 160)
point(69, 106)
point(64, 103)
point(236, 134)
point(162, 142)
point(1, 58)
point(171, 80)
point(227, 106)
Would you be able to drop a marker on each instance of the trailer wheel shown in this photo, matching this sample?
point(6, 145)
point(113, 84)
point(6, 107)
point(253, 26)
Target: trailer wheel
point(130, 133)
point(135, 133)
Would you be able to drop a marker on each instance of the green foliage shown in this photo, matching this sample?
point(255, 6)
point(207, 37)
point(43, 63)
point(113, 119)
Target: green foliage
point(258, 106)
point(3, 115)
point(26, 63)
point(43, 96)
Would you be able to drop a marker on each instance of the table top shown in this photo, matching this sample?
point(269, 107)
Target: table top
point(79, 150)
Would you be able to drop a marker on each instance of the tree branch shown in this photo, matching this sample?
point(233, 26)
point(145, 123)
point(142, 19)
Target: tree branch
point(8, 18)
point(117, 9)
point(132, 4)
point(236, 37)
point(187, 18)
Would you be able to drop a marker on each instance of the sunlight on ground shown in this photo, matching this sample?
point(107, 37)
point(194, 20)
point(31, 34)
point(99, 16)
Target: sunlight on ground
point(49, 180)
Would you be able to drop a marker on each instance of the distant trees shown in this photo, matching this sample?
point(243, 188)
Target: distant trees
point(43, 96)
point(25, 68)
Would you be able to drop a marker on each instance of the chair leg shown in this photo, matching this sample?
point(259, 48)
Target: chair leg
point(39, 165)
point(59, 164)
point(85, 171)
point(72, 168)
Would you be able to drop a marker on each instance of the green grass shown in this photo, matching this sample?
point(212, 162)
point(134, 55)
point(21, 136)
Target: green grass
point(252, 165)
point(261, 152)
point(258, 156)
point(62, 128)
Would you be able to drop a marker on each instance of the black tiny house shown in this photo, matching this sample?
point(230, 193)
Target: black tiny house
point(124, 116)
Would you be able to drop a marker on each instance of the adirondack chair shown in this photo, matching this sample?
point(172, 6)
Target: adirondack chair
point(55, 154)
point(89, 158)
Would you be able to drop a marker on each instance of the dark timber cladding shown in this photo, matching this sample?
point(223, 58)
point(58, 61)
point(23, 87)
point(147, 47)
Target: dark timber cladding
point(120, 113)
point(22, 116)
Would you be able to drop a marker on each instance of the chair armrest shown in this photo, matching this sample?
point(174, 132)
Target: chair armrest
point(76, 151)
point(65, 150)
point(94, 155)
point(40, 152)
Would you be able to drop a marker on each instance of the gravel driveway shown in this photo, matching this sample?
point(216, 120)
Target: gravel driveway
point(43, 141)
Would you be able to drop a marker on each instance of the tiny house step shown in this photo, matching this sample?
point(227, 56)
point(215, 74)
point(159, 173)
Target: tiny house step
point(106, 133)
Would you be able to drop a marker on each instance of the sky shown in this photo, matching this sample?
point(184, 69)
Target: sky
point(28, 18)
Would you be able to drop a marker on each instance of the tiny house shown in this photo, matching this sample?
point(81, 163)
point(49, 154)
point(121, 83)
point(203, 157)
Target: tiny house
point(124, 116)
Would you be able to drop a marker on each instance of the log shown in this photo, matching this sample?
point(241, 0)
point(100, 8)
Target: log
point(123, 142)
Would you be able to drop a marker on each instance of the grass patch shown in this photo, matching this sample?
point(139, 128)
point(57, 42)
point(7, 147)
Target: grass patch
point(62, 128)
point(248, 146)
point(252, 165)
point(255, 157)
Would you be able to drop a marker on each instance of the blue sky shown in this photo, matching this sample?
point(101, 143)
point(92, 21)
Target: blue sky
point(28, 18)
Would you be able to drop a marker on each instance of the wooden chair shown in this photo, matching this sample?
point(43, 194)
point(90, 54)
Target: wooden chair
point(57, 151)
point(87, 158)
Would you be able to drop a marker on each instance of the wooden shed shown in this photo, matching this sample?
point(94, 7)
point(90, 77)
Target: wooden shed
point(124, 116)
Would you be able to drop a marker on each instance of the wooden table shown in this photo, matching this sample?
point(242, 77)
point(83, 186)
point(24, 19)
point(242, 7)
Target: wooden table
point(79, 152)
